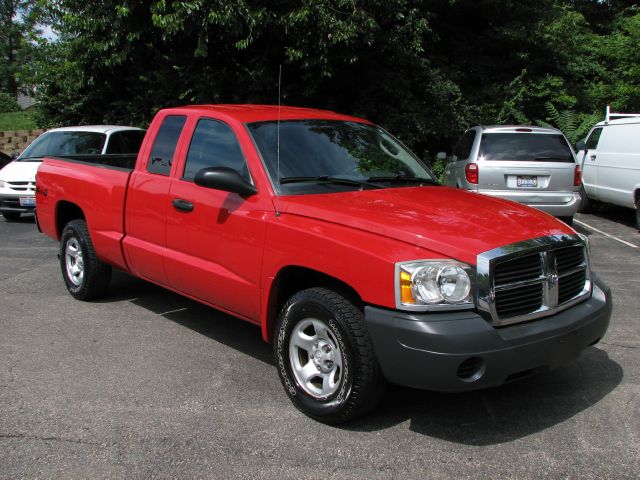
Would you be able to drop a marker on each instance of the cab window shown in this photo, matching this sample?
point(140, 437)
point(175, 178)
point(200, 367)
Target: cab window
point(164, 146)
point(214, 145)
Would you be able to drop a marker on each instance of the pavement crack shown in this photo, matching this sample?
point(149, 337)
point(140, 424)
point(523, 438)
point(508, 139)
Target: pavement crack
point(51, 439)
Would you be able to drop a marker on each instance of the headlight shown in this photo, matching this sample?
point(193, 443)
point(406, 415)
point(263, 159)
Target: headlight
point(433, 285)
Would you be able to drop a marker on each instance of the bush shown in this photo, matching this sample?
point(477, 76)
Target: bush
point(8, 103)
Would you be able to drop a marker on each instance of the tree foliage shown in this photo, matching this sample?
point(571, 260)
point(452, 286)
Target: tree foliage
point(18, 39)
point(424, 69)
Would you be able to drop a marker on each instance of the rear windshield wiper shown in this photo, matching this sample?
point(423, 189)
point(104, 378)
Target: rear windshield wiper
point(403, 179)
point(329, 179)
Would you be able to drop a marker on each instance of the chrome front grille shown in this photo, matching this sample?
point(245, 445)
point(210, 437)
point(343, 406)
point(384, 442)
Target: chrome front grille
point(532, 279)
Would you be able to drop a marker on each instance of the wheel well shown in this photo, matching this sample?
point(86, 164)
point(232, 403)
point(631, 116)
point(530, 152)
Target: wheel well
point(65, 212)
point(293, 279)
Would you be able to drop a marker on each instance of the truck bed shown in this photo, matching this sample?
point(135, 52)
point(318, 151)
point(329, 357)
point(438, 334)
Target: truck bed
point(124, 161)
point(94, 184)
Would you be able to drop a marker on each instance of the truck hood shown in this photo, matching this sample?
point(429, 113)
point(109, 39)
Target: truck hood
point(20, 171)
point(451, 222)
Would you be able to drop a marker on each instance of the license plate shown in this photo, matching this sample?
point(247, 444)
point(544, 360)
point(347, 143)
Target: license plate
point(27, 201)
point(527, 181)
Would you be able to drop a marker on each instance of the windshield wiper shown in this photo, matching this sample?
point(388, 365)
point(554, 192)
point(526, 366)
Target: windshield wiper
point(29, 159)
point(329, 179)
point(403, 178)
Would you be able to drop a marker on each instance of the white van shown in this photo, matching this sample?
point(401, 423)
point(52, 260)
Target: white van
point(18, 178)
point(610, 160)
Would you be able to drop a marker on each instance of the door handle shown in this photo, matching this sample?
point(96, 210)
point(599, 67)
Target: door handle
point(183, 205)
point(592, 158)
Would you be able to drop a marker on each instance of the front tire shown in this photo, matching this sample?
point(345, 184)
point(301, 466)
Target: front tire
point(325, 357)
point(567, 220)
point(84, 274)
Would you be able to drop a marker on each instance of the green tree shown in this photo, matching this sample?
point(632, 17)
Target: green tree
point(17, 36)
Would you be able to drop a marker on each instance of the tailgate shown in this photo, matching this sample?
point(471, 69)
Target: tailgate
point(554, 179)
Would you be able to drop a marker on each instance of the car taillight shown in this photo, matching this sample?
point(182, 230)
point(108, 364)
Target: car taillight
point(577, 176)
point(471, 173)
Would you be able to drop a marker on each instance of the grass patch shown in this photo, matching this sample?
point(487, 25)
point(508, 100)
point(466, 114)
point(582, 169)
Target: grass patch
point(17, 121)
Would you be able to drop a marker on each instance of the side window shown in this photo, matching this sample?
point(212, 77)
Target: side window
point(592, 141)
point(125, 142)
point(214, 145)
point(164, 145)
point(463, 148)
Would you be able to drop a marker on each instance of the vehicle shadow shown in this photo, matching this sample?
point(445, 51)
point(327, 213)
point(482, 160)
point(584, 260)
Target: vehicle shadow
point(501, 414)
point(614, 213)
point(226, 329)
point(484, 417)
point(24, 218)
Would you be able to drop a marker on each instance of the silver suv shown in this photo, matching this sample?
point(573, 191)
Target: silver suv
point(531, 165)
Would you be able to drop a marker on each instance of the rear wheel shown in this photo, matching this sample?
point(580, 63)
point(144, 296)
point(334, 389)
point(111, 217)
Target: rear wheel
point(325, 357)
point(586, 204)
point(84, 274)
point(11, 216)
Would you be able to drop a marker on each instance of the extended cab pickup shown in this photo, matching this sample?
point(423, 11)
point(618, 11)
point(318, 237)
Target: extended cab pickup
point(337, 241)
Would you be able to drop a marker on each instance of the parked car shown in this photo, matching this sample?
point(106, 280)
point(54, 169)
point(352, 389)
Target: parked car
point(610, 161)
point(17, 179)
point(338, 242)
point(531, 165)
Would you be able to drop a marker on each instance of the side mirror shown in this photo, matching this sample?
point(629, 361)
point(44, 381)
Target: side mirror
point(224, 178)
point(581, 145)
point(15, 155)
point(441, 155)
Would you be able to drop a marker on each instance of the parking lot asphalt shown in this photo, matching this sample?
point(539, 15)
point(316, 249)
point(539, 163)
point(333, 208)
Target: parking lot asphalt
point(147, 384)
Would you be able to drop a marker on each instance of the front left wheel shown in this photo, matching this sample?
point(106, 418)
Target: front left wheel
point(325, 357)
point(84, 274)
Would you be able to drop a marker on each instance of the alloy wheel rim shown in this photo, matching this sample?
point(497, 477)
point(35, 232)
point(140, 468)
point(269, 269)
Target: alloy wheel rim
point(74, 261)
point(315, 358)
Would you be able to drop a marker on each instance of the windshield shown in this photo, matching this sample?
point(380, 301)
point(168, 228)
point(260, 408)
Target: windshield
point(64, 143)
point(319, 156)
point(528, 147)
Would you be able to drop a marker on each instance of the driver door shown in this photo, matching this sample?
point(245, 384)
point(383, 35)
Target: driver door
point(588, 159)
point(215, 239)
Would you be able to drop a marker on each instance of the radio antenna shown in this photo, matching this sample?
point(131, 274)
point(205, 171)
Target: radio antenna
point(278, 137)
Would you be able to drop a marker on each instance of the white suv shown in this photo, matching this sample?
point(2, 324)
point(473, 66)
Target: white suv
point(17, 179)
point(531, 165)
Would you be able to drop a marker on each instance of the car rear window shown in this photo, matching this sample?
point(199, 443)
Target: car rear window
point(526, 147)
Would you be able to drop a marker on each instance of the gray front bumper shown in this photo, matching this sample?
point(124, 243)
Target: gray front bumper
point(438, 351)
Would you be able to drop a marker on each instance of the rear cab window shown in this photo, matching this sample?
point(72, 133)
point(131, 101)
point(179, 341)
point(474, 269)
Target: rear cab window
point(164, 145)
point(526, 147)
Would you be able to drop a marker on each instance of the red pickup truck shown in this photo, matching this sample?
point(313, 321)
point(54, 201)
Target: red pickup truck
point(325, 231)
